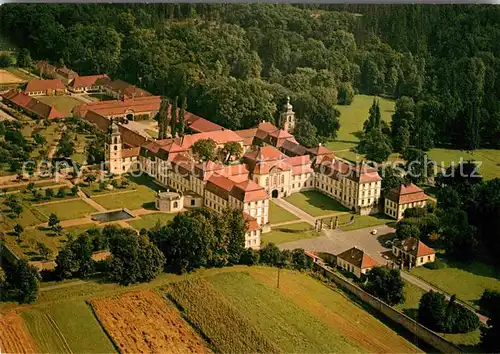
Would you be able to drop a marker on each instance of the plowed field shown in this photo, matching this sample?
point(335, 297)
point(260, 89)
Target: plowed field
point(142, 322)
point(8, 78)
point(14, 338)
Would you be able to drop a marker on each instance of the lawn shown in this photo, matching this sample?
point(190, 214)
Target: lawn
point(29, 217)
point(277, 214)
point(288, 233)
point(490, 167)
point(63, 104)
point(303, 315)
point(20, 74)
point(66, 327)
point(363, 221)
point(150, 220)
point(412, 294)
point(352, 118)
point(467, 281)
point(142, 197)
point(95, 97)
point(73, 209)
point(315, 203)
point(152, 133)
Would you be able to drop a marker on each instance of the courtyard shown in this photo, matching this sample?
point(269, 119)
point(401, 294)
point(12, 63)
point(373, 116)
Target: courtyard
point(63, 104)
point(315, 203)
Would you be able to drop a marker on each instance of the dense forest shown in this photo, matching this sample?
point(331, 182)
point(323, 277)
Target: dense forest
point(236, 63)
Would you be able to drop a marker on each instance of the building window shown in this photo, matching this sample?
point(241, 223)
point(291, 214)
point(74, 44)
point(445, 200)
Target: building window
point(267, 181)
point(192, 202)
point(176, 204)
point(116, 147)
point(282, 179)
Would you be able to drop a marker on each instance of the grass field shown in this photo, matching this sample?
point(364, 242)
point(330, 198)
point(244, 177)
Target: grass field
point(142, 322)
point(352, 118)
point(8, 77)
point(63, 104)
point(362, 221)
point(150, 220)
point(27, 248)
point(66, 327)
point(305, 316)
point(73, 209)
point(467, 281)
point(29, 217)
point(142, 197)
point(489, 168)
point(288, 233)
point(277, 214)
point(315, 203)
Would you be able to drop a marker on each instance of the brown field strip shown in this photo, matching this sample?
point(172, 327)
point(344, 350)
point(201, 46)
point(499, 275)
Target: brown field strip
point(14, 337)
point(8, 78)
point(142, 322)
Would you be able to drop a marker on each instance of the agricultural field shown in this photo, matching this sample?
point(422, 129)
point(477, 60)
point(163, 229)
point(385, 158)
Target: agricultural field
point(142, 322)
point(14, 337)
point(27, 247)
point(467, 281)
point(7, 77)
point(315, 203)
point(63, 104)
point(66, 327)
point(68, 210)
point(217, 317)
point(29, 216)
point(278, 215)
point(150, 220)
point(304, 316)
point(288, 233)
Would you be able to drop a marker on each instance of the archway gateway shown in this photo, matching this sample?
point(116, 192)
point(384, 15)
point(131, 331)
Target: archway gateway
point(275, 193)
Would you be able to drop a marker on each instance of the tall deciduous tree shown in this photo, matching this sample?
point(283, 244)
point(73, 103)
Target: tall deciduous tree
point(386, 284)
point(205, 149)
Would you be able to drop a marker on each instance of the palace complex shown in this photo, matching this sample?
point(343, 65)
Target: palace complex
point(273, 164)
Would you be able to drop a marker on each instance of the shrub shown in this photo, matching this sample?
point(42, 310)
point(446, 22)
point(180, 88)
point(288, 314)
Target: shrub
point(437, 264)
point(490, 302)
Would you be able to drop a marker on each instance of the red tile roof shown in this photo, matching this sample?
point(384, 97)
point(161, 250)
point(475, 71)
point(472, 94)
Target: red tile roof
point(32, 105)
point(320, 150)
point(126, 89)
point(249, 191)
point(406, 194)
point(252, 223)
point(87, 81)
point(358, 258)
point(267, 127)
point(248, 135)
point(201, 125)
point(414, 247)
point(131, 152)
point(121, 107)
point(220, 137)
point(44, 85)
point(265, 153)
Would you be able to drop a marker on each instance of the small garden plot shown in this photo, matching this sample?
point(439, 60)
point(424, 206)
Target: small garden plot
point(28, 217)
point(315, 203)
point(27, 245)
point(362, 221)
point(288, 233)
point(142, 322)
point(142, 197)
point(66, 210)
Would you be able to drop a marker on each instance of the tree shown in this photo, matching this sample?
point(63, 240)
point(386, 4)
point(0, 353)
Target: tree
point(419, 167)
point(236, 228)
point(432, 310)
point(90, 178)
point(49, 193)
point(182, 117)
point(18, 229)
point(22, 281)
point(53, 221)
point(346, 93)
point(232, 149)
point(386, 284)
point(457, 236)
point(205, 149)
point(401, 138)
point(75, 258)
point(133, 258)
point(270, 254)
point(61, 193)
point(173, 117)
point(6, 60)
point(405, 230)
point(300, 260)
point(163, 118)
point(306, 133)
point(43, 250)
point(375, 145)
point(24, 58)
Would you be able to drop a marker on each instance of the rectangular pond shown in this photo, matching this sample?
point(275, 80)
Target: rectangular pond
point(113, 215)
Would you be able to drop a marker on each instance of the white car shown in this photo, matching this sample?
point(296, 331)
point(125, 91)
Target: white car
point(388, 243)
point(374, 232)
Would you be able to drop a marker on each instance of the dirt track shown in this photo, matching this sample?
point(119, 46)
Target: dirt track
point(142, 322)
point(14, 337)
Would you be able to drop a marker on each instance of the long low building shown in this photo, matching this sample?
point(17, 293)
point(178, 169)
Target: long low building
point(31, 106)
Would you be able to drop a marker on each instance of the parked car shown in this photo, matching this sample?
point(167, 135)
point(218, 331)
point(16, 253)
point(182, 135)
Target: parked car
point(388, 243)
point(374, 232)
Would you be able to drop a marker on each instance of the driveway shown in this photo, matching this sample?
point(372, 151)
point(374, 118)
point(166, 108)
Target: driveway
point(337, 241)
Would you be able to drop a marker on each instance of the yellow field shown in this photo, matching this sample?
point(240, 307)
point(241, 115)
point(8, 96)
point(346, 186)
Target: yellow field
point(9, 78)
